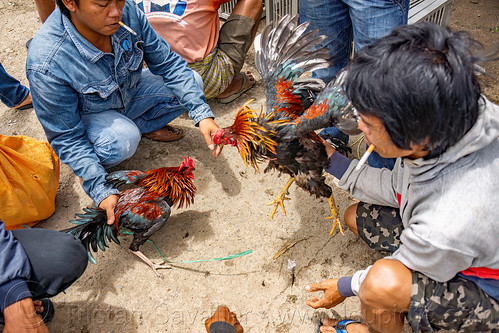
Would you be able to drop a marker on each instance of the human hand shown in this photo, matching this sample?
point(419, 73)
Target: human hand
point(108, 204)
point(208, 128)
point(22, 317)
point(331, 297)
point(329, 149)
point(223, 314)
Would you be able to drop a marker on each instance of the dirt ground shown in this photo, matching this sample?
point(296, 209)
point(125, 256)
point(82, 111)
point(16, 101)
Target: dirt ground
point(121, 294)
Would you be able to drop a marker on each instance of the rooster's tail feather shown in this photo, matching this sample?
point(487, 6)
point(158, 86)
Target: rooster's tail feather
point(93, 231)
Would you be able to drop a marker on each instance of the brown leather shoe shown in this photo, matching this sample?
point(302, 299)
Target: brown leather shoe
point(165, 134)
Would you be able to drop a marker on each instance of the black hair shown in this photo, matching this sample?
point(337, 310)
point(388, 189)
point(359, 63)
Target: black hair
point(63, 8)
point(420, 82)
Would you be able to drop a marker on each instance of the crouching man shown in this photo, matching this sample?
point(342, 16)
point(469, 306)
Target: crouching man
point(418, 100)
point(92, 97)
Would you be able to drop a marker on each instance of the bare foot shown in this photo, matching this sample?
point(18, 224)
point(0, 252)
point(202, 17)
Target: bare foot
point(237, 84)
point(26, 101)
point(328, 326)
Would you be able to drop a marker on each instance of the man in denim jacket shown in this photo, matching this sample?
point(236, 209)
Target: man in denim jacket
point(94, 100)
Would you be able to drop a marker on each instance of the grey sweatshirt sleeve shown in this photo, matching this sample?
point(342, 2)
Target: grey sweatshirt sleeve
point(437, 262)
point(370, 184)
point(14, 269)
point(357, 280)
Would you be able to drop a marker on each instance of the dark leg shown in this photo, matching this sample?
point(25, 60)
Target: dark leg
point(236, 40)
point(57, 260)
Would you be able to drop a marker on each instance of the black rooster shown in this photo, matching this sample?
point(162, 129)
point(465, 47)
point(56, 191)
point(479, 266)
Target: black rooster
point(284, 134)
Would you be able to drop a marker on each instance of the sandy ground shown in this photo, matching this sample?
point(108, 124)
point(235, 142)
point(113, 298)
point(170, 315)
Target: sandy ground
point(121, 294)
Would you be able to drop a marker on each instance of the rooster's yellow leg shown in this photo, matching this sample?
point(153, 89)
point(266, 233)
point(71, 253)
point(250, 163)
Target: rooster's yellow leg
point(281, 197)
point(334, 216)
point(154, 266)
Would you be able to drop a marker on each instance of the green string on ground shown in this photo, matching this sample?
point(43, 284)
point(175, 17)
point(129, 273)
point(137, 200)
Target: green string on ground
point(232, 256)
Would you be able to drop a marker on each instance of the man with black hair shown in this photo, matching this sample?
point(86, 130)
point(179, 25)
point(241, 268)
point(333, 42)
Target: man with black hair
point(418, 100)
point(92, 97)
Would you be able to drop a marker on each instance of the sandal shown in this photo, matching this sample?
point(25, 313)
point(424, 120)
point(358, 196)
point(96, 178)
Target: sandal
point(24, 107)
point(165, 134)
point(341, 326)
point(48, 310)
point(238, 94)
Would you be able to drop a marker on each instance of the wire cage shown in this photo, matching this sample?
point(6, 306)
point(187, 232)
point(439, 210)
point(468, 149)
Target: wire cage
point(226, 8)
point(436, 11)
point(276, 9)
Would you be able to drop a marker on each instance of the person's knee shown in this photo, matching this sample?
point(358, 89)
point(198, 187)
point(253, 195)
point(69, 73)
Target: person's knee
point(57, 259)
point(351, 218)
point(387, 285)
point(74, 255)
point(67, 262)
point(118, 143)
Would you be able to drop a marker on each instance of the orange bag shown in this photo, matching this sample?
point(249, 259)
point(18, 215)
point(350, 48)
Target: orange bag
point(29, 177)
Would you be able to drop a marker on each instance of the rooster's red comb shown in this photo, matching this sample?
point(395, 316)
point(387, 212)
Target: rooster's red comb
point(187, 163)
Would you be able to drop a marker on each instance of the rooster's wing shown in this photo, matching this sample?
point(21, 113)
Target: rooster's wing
point(122, 177)
point(331, 108)
point(283, 55)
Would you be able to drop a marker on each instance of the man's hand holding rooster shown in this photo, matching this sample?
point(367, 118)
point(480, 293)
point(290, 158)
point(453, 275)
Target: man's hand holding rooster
point(108, 204)
point(208, 128)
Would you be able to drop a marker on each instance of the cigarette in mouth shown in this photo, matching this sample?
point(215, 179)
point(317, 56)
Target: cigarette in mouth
point(127, 28)
point(364, 157)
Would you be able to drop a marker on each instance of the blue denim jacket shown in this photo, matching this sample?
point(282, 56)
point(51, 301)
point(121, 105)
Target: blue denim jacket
point(69, 77)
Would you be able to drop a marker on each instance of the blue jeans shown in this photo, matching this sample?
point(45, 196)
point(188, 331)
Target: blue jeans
point(115, 136)
point(344, 21)
point(12, 92)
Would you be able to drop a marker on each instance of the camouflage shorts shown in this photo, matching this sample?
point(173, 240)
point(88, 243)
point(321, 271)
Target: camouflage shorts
point(379, 226)
point(455, 305)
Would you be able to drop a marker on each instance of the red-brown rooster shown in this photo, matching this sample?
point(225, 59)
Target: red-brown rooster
point(143, 210)
point(283, 55)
